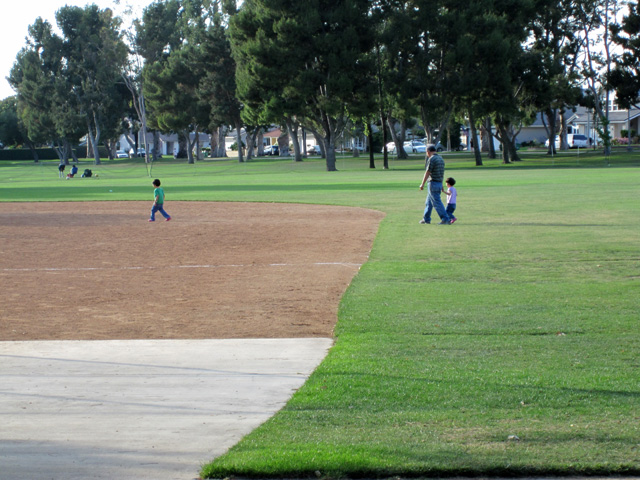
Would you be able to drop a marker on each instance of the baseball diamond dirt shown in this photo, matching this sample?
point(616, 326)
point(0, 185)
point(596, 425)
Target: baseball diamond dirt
point(139, 350)
point(98, 271)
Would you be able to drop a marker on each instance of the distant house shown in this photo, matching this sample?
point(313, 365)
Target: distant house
point(582, 121)
point(168, 142)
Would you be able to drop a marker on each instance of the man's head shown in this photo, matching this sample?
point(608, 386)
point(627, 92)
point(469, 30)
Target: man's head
point(431, 149)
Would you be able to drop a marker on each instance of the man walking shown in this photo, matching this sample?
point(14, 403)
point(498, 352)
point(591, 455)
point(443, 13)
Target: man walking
point(434, 175)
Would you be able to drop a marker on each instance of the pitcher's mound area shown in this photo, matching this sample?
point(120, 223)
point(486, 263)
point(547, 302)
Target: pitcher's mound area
point(218, 270)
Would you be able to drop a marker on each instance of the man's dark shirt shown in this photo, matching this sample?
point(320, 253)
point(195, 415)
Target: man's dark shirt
point(435, 165)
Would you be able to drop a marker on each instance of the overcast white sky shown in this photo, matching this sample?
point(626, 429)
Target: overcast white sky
point(17, 15)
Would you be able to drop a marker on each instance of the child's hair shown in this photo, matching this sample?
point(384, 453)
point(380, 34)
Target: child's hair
point(156, 182)
point(451, 181)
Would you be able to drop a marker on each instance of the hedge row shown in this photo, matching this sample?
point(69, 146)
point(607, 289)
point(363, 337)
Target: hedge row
point(43, 153)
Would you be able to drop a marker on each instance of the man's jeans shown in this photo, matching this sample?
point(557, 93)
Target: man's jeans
point(434, 190)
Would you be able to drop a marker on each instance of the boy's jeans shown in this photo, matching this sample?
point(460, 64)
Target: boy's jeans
point(158, 208)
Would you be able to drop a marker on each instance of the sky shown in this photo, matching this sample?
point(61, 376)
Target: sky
point(16, 18)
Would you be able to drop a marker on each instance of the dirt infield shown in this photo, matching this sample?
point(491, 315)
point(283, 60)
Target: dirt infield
point(217, 270)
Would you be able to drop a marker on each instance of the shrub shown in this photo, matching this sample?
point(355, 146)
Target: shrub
point(619, 141)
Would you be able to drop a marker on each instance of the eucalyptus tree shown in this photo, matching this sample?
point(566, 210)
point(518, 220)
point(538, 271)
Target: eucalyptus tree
point(397, 45)
point(12, 131)
point(305, 59)
point(511, 70)
point(44, 92)
point(171, 33)
point(94, 55)
point(217, 88)
point(625, 76)
point(556, 39)
point(598, 62)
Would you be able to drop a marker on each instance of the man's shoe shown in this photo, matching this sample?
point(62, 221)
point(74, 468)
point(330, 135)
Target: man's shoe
point(168, 219)
point(151, 220)
point(422, 222)
point(444, 222)
point(453, 220)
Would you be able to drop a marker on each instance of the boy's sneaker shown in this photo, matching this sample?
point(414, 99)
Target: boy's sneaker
point(168, 219)
point(151, 220)
point(422, 222)
point(453, 220)
point(444, 222)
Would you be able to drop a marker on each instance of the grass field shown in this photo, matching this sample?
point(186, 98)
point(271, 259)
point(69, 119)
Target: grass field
point(506, 344)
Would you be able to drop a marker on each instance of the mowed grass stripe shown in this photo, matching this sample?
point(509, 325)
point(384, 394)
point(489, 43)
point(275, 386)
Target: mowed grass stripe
point(506, 344)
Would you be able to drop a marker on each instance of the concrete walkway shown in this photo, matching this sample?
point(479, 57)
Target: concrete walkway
point(139, 409)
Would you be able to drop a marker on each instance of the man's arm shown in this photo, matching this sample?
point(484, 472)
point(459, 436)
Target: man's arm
point(425, 178)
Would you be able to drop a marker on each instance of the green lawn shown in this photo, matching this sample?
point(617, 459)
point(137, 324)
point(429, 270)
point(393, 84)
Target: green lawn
point(506, 344)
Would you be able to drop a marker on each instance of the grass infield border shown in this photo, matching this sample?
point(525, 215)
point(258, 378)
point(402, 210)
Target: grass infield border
point(504, 345)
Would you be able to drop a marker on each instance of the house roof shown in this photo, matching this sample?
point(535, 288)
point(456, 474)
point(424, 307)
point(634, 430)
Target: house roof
point(275, 133)
point(582, 116)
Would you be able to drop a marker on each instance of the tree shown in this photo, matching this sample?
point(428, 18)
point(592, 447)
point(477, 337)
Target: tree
point(94, 56)
point(305, 59)
point(625, 77)
point(598, 59)
point(217, 89)
point(44, 101)
point(557, 42)
point(11, 130)
point(171, 83)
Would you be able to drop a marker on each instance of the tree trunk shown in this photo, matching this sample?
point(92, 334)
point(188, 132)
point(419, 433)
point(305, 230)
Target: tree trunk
point(74, 155)
point(239, 141)
point(292, 129)
point(398, 139)
point(283, 144)
point(331, 157)
point(563, 131)
point(488, 135)
point(551, 130)
point(182, 145)
point(94, 139)
point(156, 145)
point(221, 147)
point(34, 152)
point(251, 141)
point(260, 143)
point(474, 139)
point(385, 153)
point(372, 163)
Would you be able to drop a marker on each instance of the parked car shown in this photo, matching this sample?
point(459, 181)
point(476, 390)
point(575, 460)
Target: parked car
point(122, 154)
point(314, 150)
point(139, 153)
point(439, 147)
point(574, 140)
point(415, 146)
point(271, 150)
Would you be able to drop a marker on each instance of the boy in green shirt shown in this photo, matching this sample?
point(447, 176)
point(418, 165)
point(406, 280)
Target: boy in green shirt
point(158, 202)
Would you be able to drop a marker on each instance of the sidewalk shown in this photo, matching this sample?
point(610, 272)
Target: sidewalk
point(139, 409)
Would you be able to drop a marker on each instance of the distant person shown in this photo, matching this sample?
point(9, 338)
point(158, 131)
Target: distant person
point(73, 171)
point(61, 169)
point(158, 202)
point(434, 175)
point(452, 197)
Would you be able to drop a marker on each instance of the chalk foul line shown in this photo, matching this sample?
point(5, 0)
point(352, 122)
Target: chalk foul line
point(91, 269)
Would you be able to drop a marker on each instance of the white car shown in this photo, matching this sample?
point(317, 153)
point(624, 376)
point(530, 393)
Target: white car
point(574, 140)
point(122, 154)
point(415, 146)
point(412, 146)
